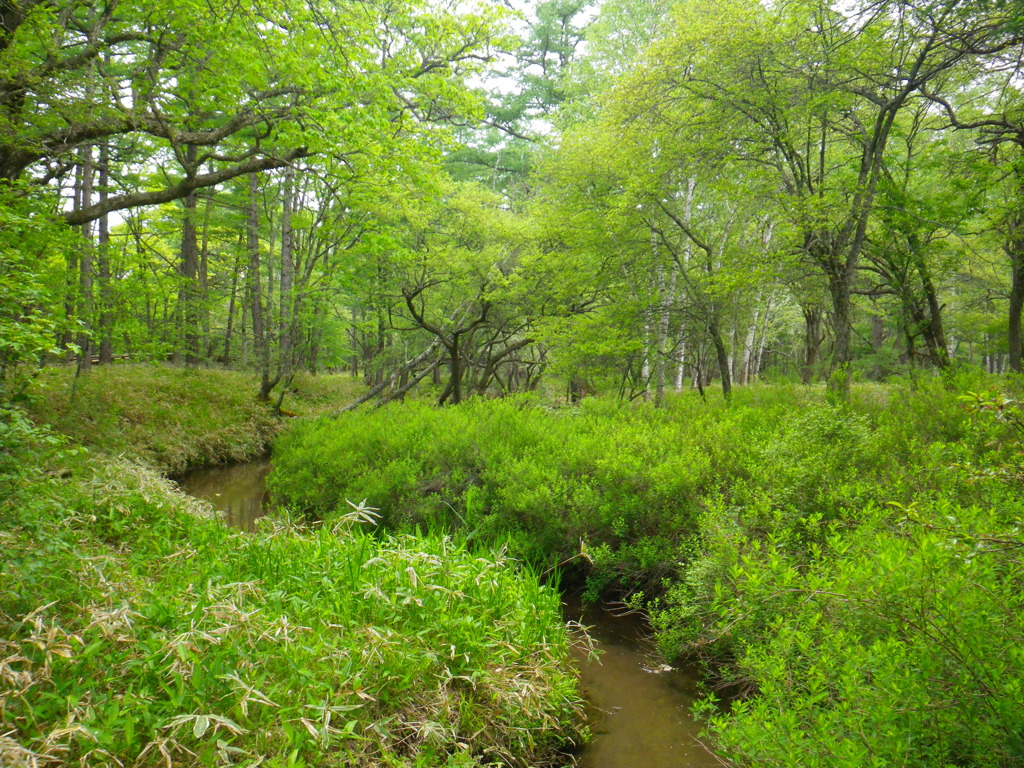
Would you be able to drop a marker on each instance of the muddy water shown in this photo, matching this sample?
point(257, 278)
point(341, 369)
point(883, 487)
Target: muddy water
point(239, 491)
point(639, 708)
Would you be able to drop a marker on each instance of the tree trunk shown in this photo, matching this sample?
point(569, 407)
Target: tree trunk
point(188, 269)
point(762, 339)
point(722, 352)
point(931, 320)
point(203, 308)
point(748, 349)
point(660, 359)
point(287, 320)
point(1015, 250)
point(259, 335)
point(842, 328)
point(106, 321)
point(243, 324)
point(354, 343)
point(645, 366)
point(680, 366)
point(456, 370)
point(85, 306)
point(877, 339)
point(812, 342)
point(232, 301)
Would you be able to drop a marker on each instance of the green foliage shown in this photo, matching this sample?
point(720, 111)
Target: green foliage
point(861, 632)
point(851, 568)
point(31, 247)
point(136, 631)
point(542, 478)
point(174, 418)
point(634, 483)
point(893, 644)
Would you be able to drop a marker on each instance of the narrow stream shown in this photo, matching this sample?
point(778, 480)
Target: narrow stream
point(238, 491)
point(638, 707)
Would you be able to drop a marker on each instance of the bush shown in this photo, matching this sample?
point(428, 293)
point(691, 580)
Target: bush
point(632, 482)
point(868, 633)
point(897, 644)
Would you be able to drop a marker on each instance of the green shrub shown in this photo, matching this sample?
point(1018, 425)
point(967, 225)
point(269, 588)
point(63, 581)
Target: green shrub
point(867, 633)
point(898, 644)
point(633, 482)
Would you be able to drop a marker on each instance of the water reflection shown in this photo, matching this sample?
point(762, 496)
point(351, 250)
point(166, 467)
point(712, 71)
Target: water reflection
point(239, 491)
point(639, 707)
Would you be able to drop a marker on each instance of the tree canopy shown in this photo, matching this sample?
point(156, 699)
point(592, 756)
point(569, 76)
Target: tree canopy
point(638, 195)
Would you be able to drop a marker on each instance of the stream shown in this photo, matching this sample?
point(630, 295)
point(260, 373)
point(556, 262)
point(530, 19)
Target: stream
point(638, 706)
point(238, 491)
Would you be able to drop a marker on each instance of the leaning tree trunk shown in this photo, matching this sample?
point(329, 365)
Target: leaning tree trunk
point(931, 324)
point(722, 353)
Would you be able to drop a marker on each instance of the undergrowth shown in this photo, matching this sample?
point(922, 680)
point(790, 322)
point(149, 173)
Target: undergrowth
point(135, 632)
point(851, 572)
point(175, 419)
point(634, 484)
point(136, 629)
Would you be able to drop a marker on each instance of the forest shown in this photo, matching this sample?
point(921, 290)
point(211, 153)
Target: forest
point(633, 197)
point(711, 308)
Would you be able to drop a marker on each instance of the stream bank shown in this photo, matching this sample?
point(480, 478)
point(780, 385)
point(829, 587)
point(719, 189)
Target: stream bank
point(639, 708)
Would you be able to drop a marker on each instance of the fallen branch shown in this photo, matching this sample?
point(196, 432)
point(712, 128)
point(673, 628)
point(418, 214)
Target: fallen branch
point(391, 380)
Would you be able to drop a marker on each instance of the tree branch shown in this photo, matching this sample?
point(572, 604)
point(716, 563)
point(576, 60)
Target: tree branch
point(181, 189)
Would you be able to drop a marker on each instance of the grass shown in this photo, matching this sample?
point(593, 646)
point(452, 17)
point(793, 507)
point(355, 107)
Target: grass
point(176, 419)
point(136, 632)
point(136, 629)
